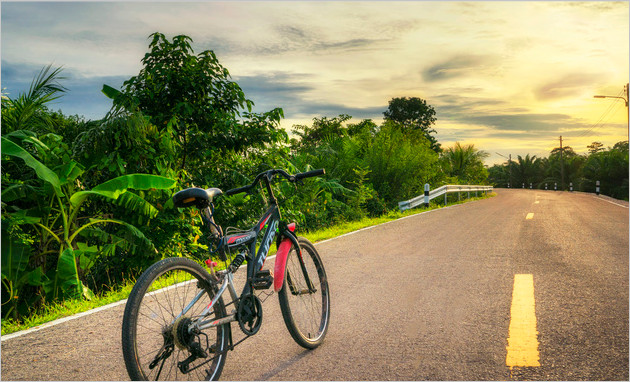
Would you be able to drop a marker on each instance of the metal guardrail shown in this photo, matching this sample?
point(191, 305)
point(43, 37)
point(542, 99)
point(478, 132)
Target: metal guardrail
point(444, 190)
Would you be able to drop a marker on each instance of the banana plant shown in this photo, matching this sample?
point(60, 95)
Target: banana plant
point(60, 219)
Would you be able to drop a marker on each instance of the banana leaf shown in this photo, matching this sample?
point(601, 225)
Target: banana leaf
point(43, 172)
point(112, 189)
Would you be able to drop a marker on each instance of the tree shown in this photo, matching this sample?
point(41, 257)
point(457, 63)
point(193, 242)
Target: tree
point(527, 170)
point(28, 110)
point(595, 147)
point(194, 96)
point(323, 128)
point(610, 167)
point(414, 114)
point(465, 162)
point(399, 166)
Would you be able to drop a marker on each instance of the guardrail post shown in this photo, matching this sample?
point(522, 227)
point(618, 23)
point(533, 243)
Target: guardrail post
point(523, 185)
point(545, 186)
point(459, 194)
point(571, 187)
point(530, 185)
point(426, 194)
point(555, 186)
point(597, 187)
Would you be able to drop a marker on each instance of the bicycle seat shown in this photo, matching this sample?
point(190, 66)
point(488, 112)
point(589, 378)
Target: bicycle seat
point(195, 196)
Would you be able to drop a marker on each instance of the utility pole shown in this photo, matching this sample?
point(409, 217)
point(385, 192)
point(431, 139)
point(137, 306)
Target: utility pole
point(509, 166)
point(561, 165)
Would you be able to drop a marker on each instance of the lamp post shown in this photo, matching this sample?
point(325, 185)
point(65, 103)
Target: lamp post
point(625, 99)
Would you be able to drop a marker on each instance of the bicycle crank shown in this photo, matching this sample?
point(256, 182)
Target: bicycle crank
point(249, 314)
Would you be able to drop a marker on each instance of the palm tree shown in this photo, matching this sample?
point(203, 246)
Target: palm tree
point(28, 110)
point(527, 170)
point(465, 162)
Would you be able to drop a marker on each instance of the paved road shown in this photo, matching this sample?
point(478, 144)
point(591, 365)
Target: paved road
point(424, 298)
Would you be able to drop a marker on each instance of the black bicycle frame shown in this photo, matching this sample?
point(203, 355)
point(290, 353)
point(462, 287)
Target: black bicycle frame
point(271, 222)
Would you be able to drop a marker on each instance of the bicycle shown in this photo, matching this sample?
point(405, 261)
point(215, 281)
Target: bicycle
point(176, 324)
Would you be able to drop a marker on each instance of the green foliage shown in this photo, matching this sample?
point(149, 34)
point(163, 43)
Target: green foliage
point(414, 114)
point(125, 144)
point(53, 213)
point(28, 111)
point(400, 164)
point(609, 166)
point(16, 275)
point(465, 162)
point(322, 129)
point(193, 95)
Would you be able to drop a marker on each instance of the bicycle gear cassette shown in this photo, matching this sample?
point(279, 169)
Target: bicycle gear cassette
point(181, 336)
point(250, 314)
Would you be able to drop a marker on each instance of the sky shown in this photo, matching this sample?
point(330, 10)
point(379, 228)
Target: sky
point(508, 77)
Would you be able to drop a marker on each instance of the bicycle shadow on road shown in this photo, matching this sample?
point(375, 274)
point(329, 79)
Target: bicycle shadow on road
point(283, 366)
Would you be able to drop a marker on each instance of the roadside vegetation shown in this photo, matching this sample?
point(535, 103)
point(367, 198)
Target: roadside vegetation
point(609, 166)
point(86, 204)
point(55, 310)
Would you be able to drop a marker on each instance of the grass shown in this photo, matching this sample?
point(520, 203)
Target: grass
point(54, 311)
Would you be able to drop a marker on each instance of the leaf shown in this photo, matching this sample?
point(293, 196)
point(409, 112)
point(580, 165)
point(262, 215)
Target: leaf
point(21, 217)
point(67, 283)
point(135, 203)
point(43, 172)
point(70, 171)
point(20, 134)
point(36, 277)
point(110, 92)
point(15, 255)
point(15, 192)
point(112, 189)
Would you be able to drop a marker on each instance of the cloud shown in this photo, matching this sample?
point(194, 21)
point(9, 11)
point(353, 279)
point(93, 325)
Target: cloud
point(457, 66)
point(501, 120)
point(569, 85)
point(292, 38)
point(291, 92)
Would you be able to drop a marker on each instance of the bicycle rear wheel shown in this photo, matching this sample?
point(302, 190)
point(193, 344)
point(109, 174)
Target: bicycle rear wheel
point(306, 311)
point(156, 341)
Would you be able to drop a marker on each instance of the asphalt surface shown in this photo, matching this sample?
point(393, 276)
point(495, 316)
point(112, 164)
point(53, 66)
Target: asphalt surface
point(422, 298)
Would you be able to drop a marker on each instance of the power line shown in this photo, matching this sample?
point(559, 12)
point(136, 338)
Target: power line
point(612, 109)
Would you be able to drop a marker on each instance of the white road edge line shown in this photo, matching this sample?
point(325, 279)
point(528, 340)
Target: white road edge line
point(606, 200)
point(117, 303)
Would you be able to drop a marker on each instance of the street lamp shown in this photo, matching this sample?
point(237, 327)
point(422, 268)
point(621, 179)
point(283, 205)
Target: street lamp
point(625, 100)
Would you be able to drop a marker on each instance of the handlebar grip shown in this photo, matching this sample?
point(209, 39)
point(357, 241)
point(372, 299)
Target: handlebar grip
point(238, 190)
point(309, 174)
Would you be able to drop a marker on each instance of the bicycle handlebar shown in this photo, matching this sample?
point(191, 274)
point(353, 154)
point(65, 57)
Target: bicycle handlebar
point(270, 173)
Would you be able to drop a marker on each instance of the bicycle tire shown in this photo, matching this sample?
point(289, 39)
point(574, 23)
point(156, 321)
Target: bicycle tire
point(306, 315)
point(149, 325)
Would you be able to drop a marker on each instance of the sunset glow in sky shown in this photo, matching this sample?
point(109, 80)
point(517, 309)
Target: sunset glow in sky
point(509, 77)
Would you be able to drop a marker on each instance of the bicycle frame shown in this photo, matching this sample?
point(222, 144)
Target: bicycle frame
point(272, 221)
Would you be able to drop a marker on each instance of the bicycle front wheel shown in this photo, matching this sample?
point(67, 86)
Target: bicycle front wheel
point(304, 297)
point(158, 337)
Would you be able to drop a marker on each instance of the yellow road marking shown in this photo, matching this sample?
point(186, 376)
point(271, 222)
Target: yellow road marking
point(530, 215)
point(536, 202)
point(522, 349)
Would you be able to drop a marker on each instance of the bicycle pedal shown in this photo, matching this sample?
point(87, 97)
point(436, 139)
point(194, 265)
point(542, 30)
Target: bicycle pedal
point(263, 279)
